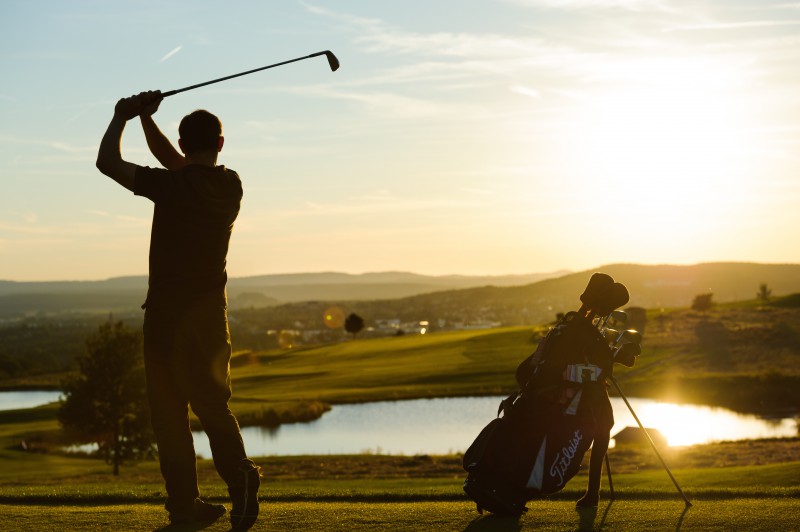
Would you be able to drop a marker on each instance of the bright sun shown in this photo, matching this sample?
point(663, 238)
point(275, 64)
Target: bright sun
point(673, 148)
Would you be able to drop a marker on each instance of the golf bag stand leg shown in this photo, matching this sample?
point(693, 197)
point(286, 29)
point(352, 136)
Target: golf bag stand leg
point(610, 482)
point(650, 440)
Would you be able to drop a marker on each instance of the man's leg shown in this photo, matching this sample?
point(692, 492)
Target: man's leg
point(209, 377)
point(169, 412)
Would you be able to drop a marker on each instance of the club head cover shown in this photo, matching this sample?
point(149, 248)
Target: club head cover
point(626, 355)
point(614, 297)
point(598, 285)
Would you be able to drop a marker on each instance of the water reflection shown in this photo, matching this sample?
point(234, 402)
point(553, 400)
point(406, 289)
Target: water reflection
point(691, 424)
point(441, 426)
point(448, 425)
point(27, 399)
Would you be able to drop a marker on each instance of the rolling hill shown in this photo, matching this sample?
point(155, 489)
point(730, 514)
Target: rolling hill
point(660, 286)
point(128, 293)
point(511, 299)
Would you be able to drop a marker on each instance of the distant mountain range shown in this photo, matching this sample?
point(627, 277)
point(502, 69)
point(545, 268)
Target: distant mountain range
point(659, 286)
point(128, 293)
point(650, 286)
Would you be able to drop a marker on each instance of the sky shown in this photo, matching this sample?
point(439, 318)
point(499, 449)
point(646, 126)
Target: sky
point(458, 137)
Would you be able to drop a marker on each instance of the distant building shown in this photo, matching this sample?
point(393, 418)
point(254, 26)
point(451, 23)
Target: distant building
point(635, 436)
point(476, 325)
point(387, 325)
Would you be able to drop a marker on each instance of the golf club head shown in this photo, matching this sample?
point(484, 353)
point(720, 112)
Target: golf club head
point(631, 336)
point(598, 284)
point(612, 298)
point(332, 60)
point(627, 353)
point(618, 317)
point(611, 335)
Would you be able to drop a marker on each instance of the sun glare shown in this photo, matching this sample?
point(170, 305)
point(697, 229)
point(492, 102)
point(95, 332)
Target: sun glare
point(665, 148)
point(693, 424)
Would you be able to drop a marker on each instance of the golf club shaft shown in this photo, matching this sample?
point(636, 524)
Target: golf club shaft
point(649, 439)
point(176, 91)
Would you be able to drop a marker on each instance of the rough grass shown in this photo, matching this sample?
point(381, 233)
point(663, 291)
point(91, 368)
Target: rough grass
point(715, 515)
point(735, 498)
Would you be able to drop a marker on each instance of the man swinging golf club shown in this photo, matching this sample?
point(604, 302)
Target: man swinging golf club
point(186, 340)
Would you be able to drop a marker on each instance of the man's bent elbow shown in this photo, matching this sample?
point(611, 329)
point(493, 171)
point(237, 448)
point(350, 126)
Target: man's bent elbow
point(120, 171)
point(105, 166)
point(100, 165)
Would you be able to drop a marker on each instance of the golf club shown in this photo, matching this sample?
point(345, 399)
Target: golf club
point(611, 335)
point(332, 61)
point(613, 320)
point(631, 336)
point(626, 354)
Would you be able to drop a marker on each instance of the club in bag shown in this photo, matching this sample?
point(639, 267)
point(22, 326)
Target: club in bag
point(614, 320)
point(595, 291)
point(333, 62)
point(626, 354)
point(631, 336)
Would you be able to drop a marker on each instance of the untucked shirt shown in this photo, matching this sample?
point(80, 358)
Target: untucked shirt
point(195, 208)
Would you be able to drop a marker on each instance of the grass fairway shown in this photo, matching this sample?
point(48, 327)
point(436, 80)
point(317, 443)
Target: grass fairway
point(635, 515)
point(407, 494)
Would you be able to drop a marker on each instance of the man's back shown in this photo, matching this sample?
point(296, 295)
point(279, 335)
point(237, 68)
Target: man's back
point(195, 208)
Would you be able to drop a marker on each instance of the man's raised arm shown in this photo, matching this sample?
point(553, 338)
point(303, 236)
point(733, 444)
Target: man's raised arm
point(109, 156)
point(159, 145)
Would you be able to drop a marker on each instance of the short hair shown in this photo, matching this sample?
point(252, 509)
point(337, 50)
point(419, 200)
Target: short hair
point(200, 131)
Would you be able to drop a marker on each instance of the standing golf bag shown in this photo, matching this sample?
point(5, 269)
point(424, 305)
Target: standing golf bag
point(541, 433)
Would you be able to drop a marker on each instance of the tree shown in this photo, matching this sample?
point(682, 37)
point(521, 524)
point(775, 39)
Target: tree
point(106, 402)
point(702, 302)
point(353, 324)
point(764, 293)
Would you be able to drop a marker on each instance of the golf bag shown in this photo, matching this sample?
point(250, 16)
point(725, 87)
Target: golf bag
point(541, 433)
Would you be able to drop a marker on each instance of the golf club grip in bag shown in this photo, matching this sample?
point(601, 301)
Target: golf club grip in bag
point(537, 442)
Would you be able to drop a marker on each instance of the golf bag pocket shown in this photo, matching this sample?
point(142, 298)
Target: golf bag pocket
point(476, 452)
point(559, 456)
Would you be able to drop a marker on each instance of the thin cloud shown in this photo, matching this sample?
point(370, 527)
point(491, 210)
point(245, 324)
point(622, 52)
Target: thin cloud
point(171, 53)
point(734, 25)
point(68, 148)
point(363, 205)
point(629, 5)
point(526, 91)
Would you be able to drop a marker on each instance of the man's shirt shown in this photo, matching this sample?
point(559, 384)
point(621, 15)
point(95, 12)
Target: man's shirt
point(195, 208)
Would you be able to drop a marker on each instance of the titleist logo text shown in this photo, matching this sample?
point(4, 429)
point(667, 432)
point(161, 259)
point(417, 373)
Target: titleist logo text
point(564, 457)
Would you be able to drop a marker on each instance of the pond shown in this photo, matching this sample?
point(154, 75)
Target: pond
point(448, 425)
point(27, 399)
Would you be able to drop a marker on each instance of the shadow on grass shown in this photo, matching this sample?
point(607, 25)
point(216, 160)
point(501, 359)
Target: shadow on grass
point(494, 523)
point(184, 527)
point(587, 516)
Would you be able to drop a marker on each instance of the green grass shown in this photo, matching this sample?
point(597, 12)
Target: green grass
point(436, 365)
point(374, 492)
point(40, 491)
point(668, 515)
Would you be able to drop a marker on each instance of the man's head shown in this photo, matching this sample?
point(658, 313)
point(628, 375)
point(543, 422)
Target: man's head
point(200, 131)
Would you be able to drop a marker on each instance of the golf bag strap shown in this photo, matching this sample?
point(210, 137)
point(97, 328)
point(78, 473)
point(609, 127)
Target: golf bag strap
point(507, 403)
